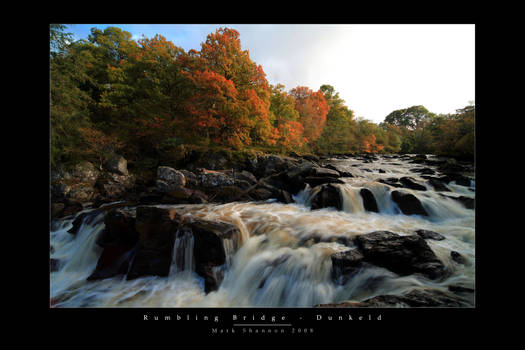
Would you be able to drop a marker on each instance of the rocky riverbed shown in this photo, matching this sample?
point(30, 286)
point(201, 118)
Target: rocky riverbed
point(347, 231)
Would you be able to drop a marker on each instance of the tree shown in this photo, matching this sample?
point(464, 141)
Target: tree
point(408, 117)
point(312, 108)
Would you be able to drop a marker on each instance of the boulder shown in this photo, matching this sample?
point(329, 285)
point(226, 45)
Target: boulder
point(410, 183)
point(208, 251)
point(53, 265)
point(403, 255)
point(438, 184)
point(460, 259)
point(85, 172)
point(116, 164)
point(345, 264)
point(328, 196)
point(369, 201)
point(314, 181)
point(426, 234)
point(284, 197)
point(156, 228)
point(341, 172)
point(169, 178)
point(191, 178)
point(391, 181)
point(408, 203)
point(211, 178)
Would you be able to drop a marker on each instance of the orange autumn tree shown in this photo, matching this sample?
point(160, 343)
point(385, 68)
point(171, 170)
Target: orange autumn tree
point(370, 145)
point(222, 54)
point(312, 108)
point(215, 110)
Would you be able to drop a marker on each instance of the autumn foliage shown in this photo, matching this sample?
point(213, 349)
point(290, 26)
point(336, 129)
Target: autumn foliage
point(146, 97)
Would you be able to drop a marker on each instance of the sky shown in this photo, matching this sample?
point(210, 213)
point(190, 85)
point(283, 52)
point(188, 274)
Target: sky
point(375, 68)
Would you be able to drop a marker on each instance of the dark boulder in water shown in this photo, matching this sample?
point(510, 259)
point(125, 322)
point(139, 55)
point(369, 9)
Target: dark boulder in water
point(426, 234)
point(345, 264)
point(314, 181)
point(460, 259)
point(403, 255)
point(408, 203)
point(328, 196)
point(156, 228)
point(391, 181)
point(369, 201)
point(410, 183)
point(437, 184)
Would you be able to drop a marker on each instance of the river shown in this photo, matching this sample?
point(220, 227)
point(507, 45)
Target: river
point(282, 255)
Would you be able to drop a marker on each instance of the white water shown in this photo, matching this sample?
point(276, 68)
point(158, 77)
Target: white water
point(282, 257)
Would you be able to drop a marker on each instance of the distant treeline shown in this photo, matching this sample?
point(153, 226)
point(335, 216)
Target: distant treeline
point(149, 99)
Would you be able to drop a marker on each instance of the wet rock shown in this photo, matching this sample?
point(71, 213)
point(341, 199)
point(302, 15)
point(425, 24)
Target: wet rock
point(114, 260)
point(341, 172)
point(323, 172)
point(272, 164)
point(328, 196)
point(403, 255)
point(391, 181)
point(424, 171)
point(53, 265)
point(469, 203)
point(117, 164)
point(426, 234)
point(408, 203)
point(314, 181)
point(261, 194)
point(156, 228)
point(198, 197)
point(208, 251)
point(414, 298)
point(460, 259)
point(460, 289)
point(410, 183)
point(284, 197)
point(369, 201)
point(57, 209)
point(438, 184)
point(345, 264)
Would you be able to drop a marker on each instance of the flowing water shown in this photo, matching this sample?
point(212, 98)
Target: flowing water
point(282, 255)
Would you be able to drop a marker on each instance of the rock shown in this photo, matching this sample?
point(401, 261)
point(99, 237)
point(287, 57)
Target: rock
point(345, 264)
point(419, 158)
point(211, 179)
point(403, 255)
point(314, 181)
point(414, 298)
point(410, 183)
point(57, 209)
point(227, 194)
point(71, 207)
point(113, 261)
point(328, 196)
point(311, 158)
point(426, 234)
point(117, 164)
point(469, 203)
point(169, 178)
point(191, 178)
point(460, 289)
point(81, 191)
point(341, 172)
point(156, 228)
point(460, 259)
point(438, 184)
point(369, 201)
point(392, 181)
point(284, 197)
point(208, 250)
point(261, 194)
point(408, 203)
point(323, 172)
point(272, 164)
point(85, 172)
point(198, 197)
point(425, 171)
point(53, 264)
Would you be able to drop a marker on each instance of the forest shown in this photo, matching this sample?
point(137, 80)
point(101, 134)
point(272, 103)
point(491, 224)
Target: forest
point(151, 100)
